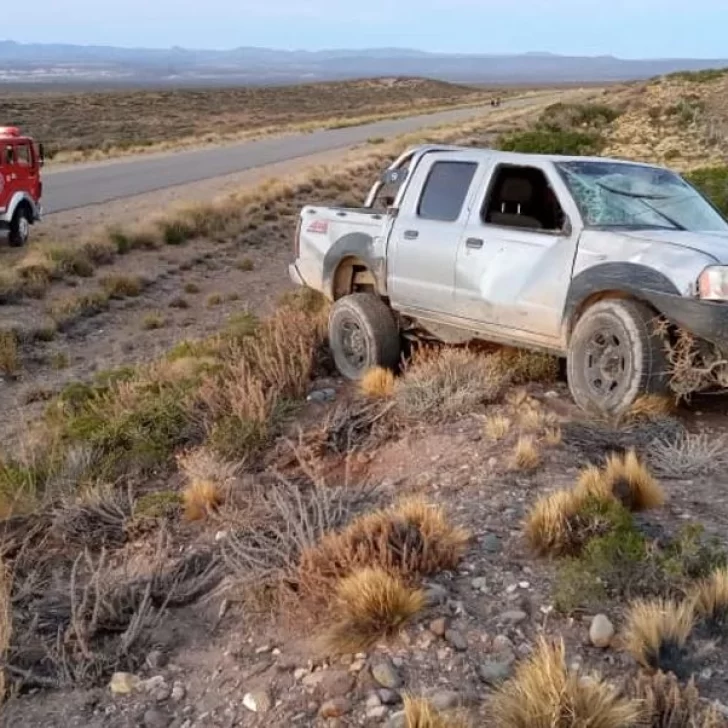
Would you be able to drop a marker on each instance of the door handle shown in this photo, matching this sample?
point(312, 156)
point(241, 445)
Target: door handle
point(474, 243)
point(411, 234)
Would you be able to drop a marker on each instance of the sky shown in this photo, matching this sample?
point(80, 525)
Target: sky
point(625, 28)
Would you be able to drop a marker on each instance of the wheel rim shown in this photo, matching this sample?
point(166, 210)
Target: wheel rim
point(353, 344)
point(23, 227)
point(607, 362)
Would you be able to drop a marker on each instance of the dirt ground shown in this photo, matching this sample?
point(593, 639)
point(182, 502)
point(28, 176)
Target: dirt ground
point(207, 663)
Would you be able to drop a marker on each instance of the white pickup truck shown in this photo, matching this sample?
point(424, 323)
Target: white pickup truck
point(570, 255)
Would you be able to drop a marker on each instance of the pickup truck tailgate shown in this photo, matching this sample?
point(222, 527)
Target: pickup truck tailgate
point(320, 229)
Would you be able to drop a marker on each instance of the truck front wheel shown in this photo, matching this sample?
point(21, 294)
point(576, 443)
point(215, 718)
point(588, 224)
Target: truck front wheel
point(363, 334)
point(614, 357)
point(19, 228)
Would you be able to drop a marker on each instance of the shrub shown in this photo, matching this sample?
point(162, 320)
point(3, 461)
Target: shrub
point(551, 142)
point(377, 382)
point(9, 353)
point(544, 693)
point(371, 604)
point(657, 632)
point(421, 713)
point(121, 286)
point(447, 382)
point(526, 455)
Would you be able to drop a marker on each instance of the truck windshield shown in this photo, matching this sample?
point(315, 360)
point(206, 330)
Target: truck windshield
point(615, 195)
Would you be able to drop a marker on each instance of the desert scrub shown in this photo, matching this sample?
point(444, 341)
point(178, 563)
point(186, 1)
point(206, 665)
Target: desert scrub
point(121, 286)
point(546, 141)
point(443, 383)
point(9, 354)
point(713, 183)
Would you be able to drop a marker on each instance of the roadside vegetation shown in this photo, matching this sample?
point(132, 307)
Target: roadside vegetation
point(98, 124)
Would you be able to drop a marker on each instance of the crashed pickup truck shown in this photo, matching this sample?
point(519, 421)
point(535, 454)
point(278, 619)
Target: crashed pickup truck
point(576, 256)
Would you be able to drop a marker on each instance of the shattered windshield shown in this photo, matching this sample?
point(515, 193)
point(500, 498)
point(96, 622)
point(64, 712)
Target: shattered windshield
point(634, 196)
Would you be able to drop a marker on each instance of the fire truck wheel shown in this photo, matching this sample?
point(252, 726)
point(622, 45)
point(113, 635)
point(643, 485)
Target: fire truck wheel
point(19, 228)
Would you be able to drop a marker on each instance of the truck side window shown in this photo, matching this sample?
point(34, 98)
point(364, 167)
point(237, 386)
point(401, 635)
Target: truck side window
point(9, 154)
point(24, 157)
point(445, 190)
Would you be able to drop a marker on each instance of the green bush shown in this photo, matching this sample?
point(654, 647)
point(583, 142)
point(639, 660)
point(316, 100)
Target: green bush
point(704, 76)
point(712, 182)
point(570, 117)
point(543, 141)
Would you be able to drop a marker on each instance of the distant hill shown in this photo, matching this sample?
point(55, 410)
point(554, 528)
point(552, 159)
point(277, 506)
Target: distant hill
point(57, 63)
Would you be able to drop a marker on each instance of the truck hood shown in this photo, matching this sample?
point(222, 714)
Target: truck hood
point(712, 244)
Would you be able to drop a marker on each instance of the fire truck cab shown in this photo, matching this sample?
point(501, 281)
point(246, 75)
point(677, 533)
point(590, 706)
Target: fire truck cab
point(21, 187)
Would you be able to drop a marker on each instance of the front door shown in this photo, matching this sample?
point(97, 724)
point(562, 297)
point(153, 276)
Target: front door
point(517, 251)
point(426, 232)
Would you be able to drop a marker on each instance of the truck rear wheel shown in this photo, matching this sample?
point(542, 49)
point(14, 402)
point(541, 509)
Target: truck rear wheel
point(19, 228)
point(614, 357)
point(363, 334)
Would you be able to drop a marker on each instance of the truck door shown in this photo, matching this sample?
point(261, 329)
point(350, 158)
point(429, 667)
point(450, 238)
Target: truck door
point(426, 232)
point(26, 169)
point(517, 251)
point(9, 184)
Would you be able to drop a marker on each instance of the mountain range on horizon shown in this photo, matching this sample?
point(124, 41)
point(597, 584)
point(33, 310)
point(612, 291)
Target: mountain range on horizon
point(63, 64)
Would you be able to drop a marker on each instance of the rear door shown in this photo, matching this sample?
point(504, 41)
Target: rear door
point(427, 229)
point(9, 183)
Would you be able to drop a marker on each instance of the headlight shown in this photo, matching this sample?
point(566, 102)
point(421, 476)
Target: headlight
point(713, 283)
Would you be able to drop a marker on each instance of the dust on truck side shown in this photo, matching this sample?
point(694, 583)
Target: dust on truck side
point(21, 187)
point(576, 256)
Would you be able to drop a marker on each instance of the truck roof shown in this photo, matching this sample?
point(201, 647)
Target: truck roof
point(521, 157)
point(12, 132)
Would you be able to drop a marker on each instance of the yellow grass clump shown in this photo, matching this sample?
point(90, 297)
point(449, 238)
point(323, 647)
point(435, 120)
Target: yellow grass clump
point(651, 407)
point(710, 598)
point(421, 713)
point(545, 694)
point(377, 382)
point(408, 540)
point(525, 454)
point(497, 427)
point(371, 605)
point(626, 479)
point(668, 704)
point(657, 633)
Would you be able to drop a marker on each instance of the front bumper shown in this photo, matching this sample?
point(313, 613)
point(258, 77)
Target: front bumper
point(706, 320)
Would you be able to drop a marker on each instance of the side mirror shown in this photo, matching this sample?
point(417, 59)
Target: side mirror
point(567, 228)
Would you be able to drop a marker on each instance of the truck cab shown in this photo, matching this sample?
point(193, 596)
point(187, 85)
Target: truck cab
point(21, 187)
point(576, 256)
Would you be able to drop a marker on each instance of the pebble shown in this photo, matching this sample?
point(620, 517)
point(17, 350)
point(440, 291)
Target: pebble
point(123, 683)
point(398, 720)
point(357, 666)
point(335, 708)
point(501, 643)
point(495, 673)
point(154, 718)
point(515, 616)
point(322, 395)
point(491, 544)
point(601, 631)
point(438, 626)
point(377, 713)
point(435, 595)
point(456, 640)
point(178, 692)
point(373, 701)
point(389, 697)
point(258, 702)
point(445, 699)
point(480, 584)
point(333, 683)
point(386, 674)
point(156, 660)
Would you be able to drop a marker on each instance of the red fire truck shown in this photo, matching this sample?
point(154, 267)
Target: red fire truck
point(21, 160)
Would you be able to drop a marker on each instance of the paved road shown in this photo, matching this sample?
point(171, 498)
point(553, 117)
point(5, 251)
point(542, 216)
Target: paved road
point(66, 189)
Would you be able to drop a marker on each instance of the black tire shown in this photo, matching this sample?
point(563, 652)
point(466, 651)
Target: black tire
point(614, 357)
point(19, 228)
point(363, 334)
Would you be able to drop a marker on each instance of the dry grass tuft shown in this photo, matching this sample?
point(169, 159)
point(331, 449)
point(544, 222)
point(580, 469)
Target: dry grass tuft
point(9, 354)
point(497, 427)
point(377, 382)
point(559, 524)
point(544, 694)
point(657, 633)
point(6, 622)
point(420, 713)
point(651, 407)
point(448, 382)
point(121, 286)
point(525, 454)
point(710, 598)
point(523, 366)
point(371, 605)
point(624, 478)
point(688, 455)
point(668, 704)
point(200, 498)
point(553, 436)
point(409, 539)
